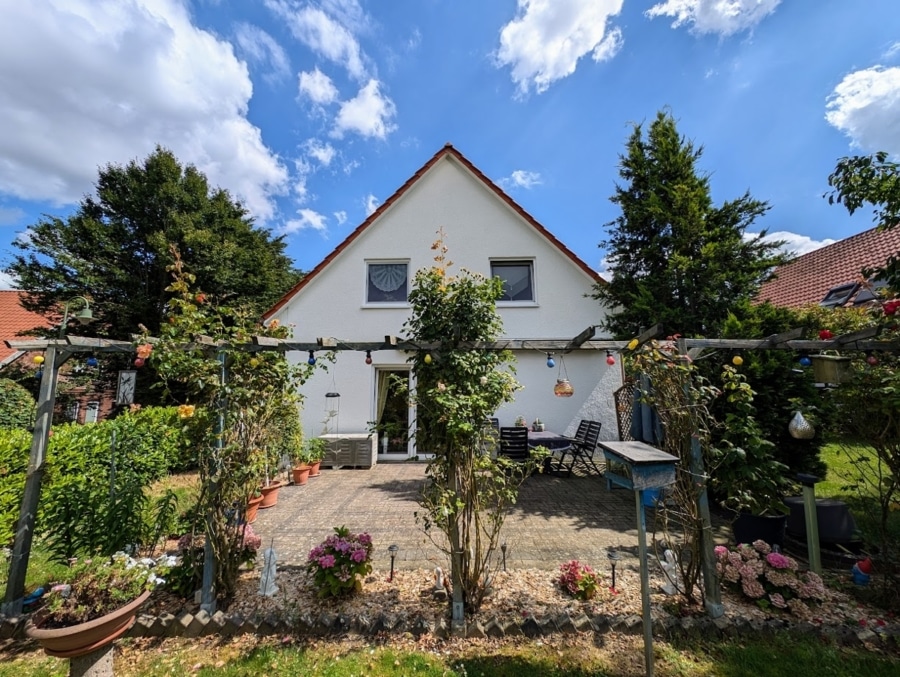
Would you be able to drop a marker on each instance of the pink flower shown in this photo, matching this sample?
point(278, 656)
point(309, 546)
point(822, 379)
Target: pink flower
point(778, 560)
point(326, 561)
point(778, 600)
point(753, 589)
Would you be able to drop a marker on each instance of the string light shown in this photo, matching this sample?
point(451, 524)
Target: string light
point(368, 357)
point(805, 361)
point(550, 362)
point(312, 358)
point(610, 360)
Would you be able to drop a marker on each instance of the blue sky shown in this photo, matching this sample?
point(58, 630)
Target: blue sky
point(314, 112)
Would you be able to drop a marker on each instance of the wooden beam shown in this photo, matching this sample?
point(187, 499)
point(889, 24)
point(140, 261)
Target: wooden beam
point(862, 334)
point(777, 339)
point(583, 337)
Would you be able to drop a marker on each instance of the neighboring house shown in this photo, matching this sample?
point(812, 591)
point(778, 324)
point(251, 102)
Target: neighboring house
point(358, 293)
point(832, 275)
point(79, 403)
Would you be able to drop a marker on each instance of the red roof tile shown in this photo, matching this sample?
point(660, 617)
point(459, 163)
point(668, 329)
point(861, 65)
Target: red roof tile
point(13, 319)
point(807, 279)
point(447, 150)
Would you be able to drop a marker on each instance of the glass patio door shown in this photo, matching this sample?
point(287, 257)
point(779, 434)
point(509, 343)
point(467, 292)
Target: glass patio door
point(392, 412)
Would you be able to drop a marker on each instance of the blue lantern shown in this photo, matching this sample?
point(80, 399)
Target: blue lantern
point(550, 361)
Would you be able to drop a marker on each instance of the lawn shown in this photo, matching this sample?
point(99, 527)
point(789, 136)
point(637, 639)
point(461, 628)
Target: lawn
point(608, 654)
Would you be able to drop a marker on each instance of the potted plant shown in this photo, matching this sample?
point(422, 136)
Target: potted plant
point(315, 452)
point(745, 476)
point(339, 564)
point(96, 604)
point(253, 504)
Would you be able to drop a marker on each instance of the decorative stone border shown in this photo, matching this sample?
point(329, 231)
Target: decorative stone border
point(325, 624)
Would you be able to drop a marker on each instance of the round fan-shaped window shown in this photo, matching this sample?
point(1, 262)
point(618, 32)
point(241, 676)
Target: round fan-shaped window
point(388, 277)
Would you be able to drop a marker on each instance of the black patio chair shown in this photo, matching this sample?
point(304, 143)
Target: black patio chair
point(563, 458)
point(583, 449)
point(514, 443)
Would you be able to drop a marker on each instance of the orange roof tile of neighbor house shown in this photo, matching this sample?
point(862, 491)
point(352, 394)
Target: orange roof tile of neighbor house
point(807, 279)
point(13, 319)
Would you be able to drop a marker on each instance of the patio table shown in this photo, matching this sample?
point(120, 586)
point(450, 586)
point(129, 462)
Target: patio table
point(550, 440)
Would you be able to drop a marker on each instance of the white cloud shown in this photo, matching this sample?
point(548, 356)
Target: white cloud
point(795, 244)
point(318, 87)
point(323, 152)
point(370, 202)
point(6, 281)
point(368, 114)
point(521, 179)
point(866, 107)
point(328, 37)
point(308, 219)
point(725, 17)
point(547, 38)
point(91, 83)
point(340, 217)
point(260, 47)
point(892, 51)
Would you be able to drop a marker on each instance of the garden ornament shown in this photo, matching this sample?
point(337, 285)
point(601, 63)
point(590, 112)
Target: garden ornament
point(267, 587)
point(800, 428)
point(670, 568)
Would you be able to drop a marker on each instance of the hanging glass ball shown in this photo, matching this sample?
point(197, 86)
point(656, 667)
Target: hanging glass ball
point(550, 362)
point(800, 428)
point(368, 357)
point(805, 361)
point(92, 362)
point(737, 360)
point(563, 388)
point(427, 358)
point(610, 360)
point(312, 359)
point(38, 359)
point(139, 362)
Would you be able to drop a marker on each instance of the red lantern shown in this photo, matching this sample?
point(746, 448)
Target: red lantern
point(139, 362)
point(610, 360)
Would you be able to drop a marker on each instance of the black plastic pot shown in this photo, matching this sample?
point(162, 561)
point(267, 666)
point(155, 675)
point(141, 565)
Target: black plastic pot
point(769, 528)
point(836, 524)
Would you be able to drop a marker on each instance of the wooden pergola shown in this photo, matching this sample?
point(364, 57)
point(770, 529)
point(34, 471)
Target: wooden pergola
point(58, 351)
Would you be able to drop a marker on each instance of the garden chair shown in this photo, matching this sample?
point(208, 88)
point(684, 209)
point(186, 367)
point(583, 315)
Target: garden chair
point(563, 459)
point(514, 443)
point(582, 449)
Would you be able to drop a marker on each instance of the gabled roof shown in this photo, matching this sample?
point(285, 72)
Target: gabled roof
point(807, 279)
point(13, 319)
point(447, 151)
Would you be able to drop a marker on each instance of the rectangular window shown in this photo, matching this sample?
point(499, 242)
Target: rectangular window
point(518, 279)
point(387, 283)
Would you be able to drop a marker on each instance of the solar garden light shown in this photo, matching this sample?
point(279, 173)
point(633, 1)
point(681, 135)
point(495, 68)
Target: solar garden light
point(613, 557)
point(503, 550)
point(393, 548)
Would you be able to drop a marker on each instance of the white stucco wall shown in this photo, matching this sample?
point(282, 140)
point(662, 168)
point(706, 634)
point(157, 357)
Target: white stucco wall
point(477, 226)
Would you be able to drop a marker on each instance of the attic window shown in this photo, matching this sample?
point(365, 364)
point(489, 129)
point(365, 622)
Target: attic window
point(838, 296)
point(869, 293)
point(386, 282)
point(518, 279)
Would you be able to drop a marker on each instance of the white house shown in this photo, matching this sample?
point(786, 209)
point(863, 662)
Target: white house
point(358, 294)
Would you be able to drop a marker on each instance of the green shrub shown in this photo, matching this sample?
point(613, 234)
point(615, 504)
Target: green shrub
point(15, 446)
point(16, 405)
point(94, 495)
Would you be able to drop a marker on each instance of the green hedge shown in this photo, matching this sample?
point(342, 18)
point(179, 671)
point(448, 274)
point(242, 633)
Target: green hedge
point(16, 405)
point(78, 510)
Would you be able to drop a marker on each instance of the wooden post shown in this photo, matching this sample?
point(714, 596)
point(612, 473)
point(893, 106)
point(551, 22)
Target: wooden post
point(15, 585)
point(712, 593)
point(645, 583)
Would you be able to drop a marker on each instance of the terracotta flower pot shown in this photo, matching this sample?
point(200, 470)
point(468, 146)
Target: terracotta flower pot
point(301, 474)
point(314, 468)
point(270, 494)
point(252, 508)
point(83, 638)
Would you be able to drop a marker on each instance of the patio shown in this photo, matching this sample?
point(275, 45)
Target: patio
point(556, 519)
